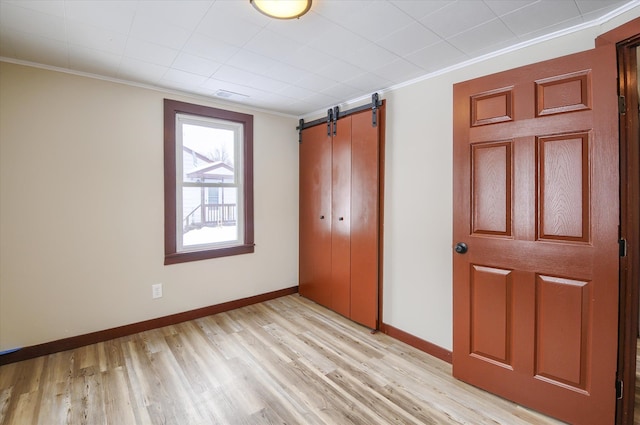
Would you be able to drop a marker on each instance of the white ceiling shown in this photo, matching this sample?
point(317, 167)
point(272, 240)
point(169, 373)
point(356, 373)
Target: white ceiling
point(341, 50)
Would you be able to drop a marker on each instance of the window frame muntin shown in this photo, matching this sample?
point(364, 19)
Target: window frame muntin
point(171, 109)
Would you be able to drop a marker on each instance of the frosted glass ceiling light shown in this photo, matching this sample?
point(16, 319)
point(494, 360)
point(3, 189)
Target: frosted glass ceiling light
point(282, 9)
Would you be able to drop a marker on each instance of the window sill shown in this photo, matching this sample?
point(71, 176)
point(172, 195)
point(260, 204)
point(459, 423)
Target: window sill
point(184, 257)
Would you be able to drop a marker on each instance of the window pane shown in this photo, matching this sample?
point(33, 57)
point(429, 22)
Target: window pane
point(209, 216)
point(207, 154)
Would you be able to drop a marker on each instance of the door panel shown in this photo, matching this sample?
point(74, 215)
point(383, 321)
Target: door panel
point(315, 216)
point(491, 304)
point(563, 93)
point(341, 219)
point(491, 167)
point(364, 220)
point(561, 351)
point(536, 202)
point(563, 179)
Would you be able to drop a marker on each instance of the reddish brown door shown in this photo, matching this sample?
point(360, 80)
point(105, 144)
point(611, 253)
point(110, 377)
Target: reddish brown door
point(315, 215)
point(536, 203)
point(339, 216)
point(341, 219)
point(364, 219)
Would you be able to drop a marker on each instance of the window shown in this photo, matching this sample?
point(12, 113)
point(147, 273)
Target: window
point(208, 180)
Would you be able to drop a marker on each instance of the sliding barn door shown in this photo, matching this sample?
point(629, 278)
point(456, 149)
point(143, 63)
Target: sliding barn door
point(341, 218)
point(340, 204)
point(365, 214)
point(315, 215)
point(536, 210)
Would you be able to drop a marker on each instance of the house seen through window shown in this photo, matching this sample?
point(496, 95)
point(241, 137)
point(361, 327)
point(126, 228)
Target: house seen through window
point(208, 187)
point(209, 184)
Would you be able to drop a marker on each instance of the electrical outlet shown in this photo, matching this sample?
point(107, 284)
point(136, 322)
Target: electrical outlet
point(156, 290)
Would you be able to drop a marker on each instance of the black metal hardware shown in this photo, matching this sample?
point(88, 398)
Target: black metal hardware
point(374, 105)
point(623, 247)
point(321, 217)
point(374, 109)
point(341, 219)
point(299, 128)
point(461, 248)
point(619, 390)
point(622, 105)
point(336, 113)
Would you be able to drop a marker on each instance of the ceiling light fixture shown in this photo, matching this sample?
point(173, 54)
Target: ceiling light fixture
point(282, 9)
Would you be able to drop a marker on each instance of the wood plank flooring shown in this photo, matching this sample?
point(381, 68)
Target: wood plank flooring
point(636, 411)
point(284, 361)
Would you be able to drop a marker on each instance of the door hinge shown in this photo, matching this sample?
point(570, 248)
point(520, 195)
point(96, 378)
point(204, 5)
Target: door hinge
point(619, 390)
point(623, 247)
point(622, 104)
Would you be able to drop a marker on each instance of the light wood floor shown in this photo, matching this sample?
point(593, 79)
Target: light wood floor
point(636, 411)
point(285, 361)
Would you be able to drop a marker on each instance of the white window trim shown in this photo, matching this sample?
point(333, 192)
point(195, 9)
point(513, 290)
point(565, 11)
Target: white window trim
point(238, 173)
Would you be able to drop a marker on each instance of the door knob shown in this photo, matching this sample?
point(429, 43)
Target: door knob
point(461, 247)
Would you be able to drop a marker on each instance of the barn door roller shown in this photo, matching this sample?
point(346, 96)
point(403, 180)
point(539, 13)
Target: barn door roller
point(375, 103)
point(334, 113)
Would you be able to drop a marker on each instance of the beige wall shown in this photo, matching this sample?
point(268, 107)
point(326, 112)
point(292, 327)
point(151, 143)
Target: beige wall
point(81, 210)
point(81, 221)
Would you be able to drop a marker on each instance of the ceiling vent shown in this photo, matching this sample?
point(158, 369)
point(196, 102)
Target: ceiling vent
point(225, 94)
